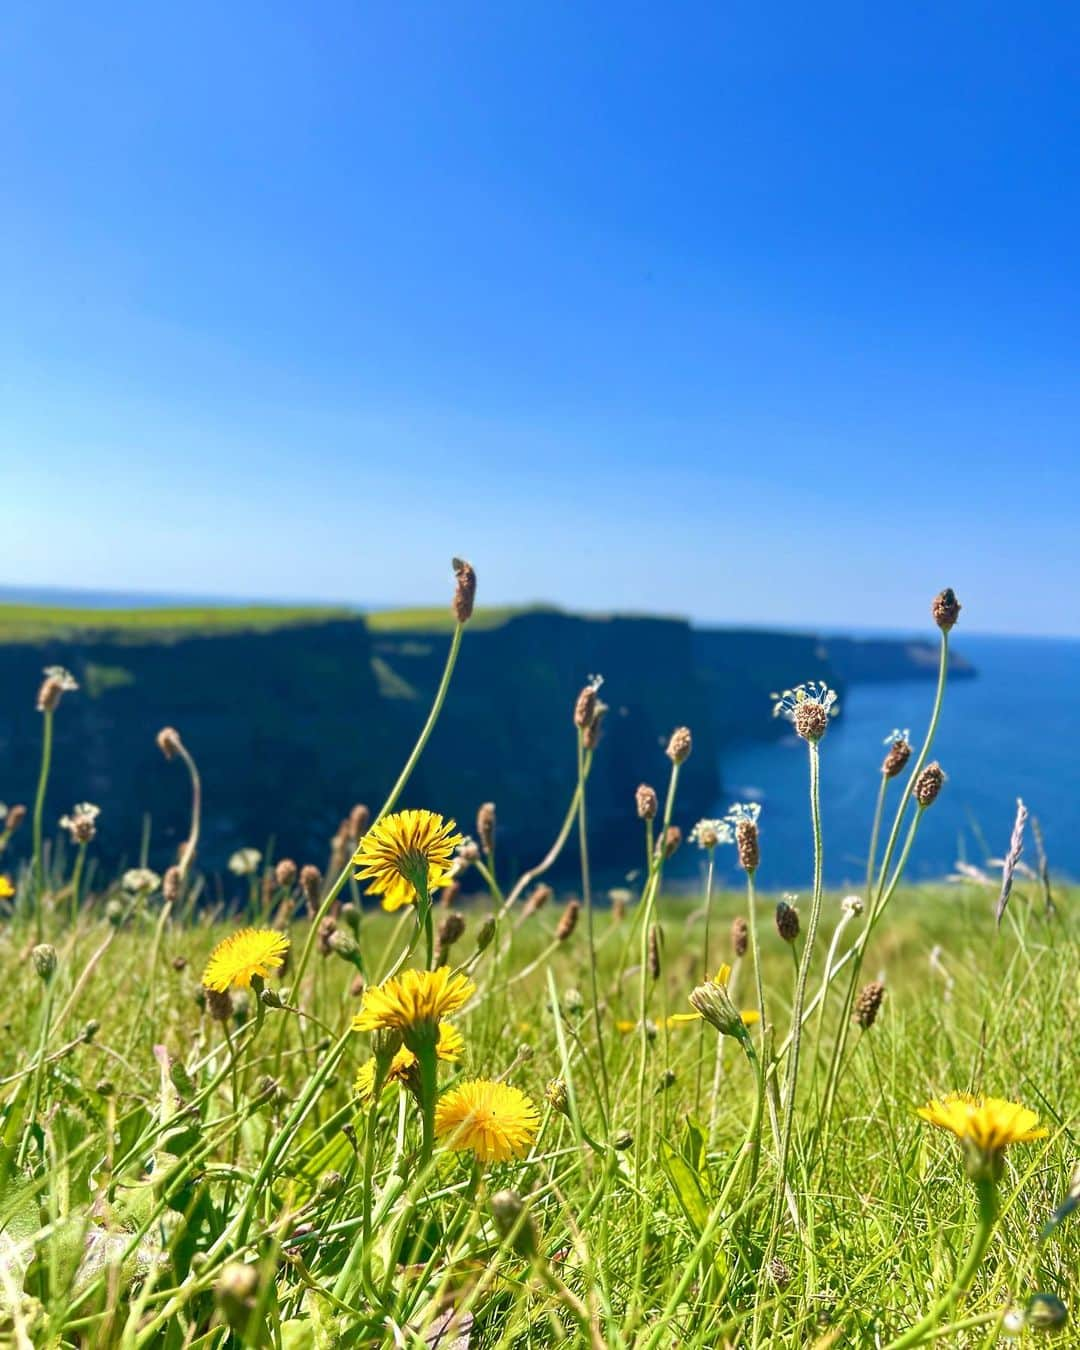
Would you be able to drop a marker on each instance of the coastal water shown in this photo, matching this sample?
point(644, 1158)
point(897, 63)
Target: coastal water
point(1013, 731)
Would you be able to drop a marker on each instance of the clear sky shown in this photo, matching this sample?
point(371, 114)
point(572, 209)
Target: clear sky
point(750, 312)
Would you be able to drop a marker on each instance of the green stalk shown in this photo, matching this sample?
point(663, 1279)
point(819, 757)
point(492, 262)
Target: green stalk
point(76, 883)
point(586, 895)
point(39, 809)
point(801, 982)
point(708, 967)
point(188, 855)
point(39, 1065)
point(988, 1211)
point(388, 805)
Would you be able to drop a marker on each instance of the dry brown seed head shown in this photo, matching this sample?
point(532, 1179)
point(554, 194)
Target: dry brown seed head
point(49, 694)
point(568, 920)
point(810, 720)
point(219, 1004)
point(647, 803)
point(655, 941)
point(168, 741)
point(590, 737)
point(945, 609)
point(868, 1003)
point(465, 591)
point(485, 826)
point(327, 929)
point(787, 921)
point(285, 873)
point(311, 883)
point(15, 817)
point(171, 885)
point(929, 783)
point(359, 819)
point(680, 745)
point(450, 930)
point(585, 707)
point(747, 845)
point(671, 841)
point(740, 936)
point(539, 897)
point(896, 758)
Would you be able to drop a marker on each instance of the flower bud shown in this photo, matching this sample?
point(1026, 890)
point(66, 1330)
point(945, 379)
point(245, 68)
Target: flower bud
point(896, 757)
point(558, 1097)
point(538, 898)
point(171, 885)
point(740, 936)
point(680, 745)
point(349, 915)
point(647, 803)
point(285, 873)
point(929, 783)
point(747, 845)
point(787, 921)
point(622, 1140)
point(568, 921)
point(465, 591)
point(514, 1224)
point(15, 817)
point(485, 934)
point(1045, 1312)
point(168, 741)
point(670, 843)
point(485, 826)
point(868, 1004)
point(945, 609)
point(311, 884)
point(44, 959)
point(714, 1003)
point(236, 1295)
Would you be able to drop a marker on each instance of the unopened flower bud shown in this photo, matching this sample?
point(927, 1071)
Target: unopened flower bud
point(655, 940)
point(585, 707)
point(485, 826)
point(647, 803)
point(945, 609)
point(740, 936)
point(514, 1224)
point(385, 1043)
point(558, 1097)
point(331, 1184)
point(714, 1003)
point(670, 843)
point(779, 1273)
point(1045, 1312)
point(568, 920)
point(896, 757)
point(285, 873)
point(15, 817)
point(747, 845)
point(168, 741)
point(172, 883)
point(115, 909)
point(465, 591)
point(343, 944)
point(485, 934)
point(236, 1295)
point(539, 897)
point(868, 1004)
point(680, 745)
point(929, 783)
point(326, 930)
point(622, 1140)
point(350, 916)
point(44, 959)
point(787, 921)
point(219, 1004)
point(90, 1030)
point(311, 884)
point(105, 1087)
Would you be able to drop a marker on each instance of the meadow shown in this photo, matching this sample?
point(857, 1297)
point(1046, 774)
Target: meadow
point(352, 1110)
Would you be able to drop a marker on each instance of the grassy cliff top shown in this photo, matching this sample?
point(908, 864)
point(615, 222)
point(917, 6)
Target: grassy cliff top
point(438, 618)
point(50, 623)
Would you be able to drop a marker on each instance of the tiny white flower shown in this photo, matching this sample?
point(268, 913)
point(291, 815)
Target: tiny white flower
point(245, 861)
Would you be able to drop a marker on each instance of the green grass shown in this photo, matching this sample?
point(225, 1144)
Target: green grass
point(435, 619)
point(47, 623)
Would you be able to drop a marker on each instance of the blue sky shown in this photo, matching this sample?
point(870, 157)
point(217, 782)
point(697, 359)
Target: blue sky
point(755, 313)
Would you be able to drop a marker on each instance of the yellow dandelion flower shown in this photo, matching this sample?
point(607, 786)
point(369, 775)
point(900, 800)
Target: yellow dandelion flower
point(7, 890)
point(988, 1125)
point(413, 998)
point(405, 854)
point(494, 1120)
point(244, 955)
point(449, 1047)
point(750, 1017)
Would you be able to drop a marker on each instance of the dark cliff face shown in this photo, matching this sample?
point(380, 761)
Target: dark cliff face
point(290, 728)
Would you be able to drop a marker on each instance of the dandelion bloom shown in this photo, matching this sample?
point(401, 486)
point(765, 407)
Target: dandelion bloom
point(243, 956)
point(494, 1120)
point(449, 1047)
point(413, 998)
point(406, 853)
point(991, 1124)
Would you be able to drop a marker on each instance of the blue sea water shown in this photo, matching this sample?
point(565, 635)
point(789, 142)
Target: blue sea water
point(1013, 731)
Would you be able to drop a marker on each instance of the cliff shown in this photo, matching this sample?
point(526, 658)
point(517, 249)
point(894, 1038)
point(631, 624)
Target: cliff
point(294, 715)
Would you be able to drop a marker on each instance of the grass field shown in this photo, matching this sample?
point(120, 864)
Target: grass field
point(533, 1120)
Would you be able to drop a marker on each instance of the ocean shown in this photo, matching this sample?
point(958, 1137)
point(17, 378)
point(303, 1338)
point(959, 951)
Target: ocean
point(1013, 731)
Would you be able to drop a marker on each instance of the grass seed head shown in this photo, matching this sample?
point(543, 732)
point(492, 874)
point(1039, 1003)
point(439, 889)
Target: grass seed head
point(647, 803)
point(868, 1004)
point(740, 936)
point(929, 783)
point(464, 591)
point(311, 884)
point(680, 745)
point(787, 921)
point(485, 826)
point(945, 609)
point(568, 920)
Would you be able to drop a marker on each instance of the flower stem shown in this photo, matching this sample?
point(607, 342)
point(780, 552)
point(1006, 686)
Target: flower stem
point(988, 1211)
point(39, 809)
point(590, 926)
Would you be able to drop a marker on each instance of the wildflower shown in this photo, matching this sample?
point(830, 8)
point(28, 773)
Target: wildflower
point(808, 708)
point(494, 1120)
point(929, 783)
point(245, 861)
point(740, 936)
point(169, 742)
point(985, 1127)
point(585, 707)
point(450, 930)
point(558, 1097)
point(852, 906)
point(465, 591)
point(680, 745)
point(779, 1273)
point(56, 683)
point(670, 842)
point(1045, 1312)
point(868, 1004)
point(449, 1047)
point(787, 920)
point(44, 960)
point(708, 834)
point(285, 874)
point(743, 817)
point(7, 889)
point(485, 826)
point(311, 884)
point(899, 752)
point(413, 1000)
point(81, 823)
point(486, 934)
point(251, 953)
point(945, 609)
point(712, 1001)
point(406, 855)
point(568, 921)
point(647, 803)
point(140, 881)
